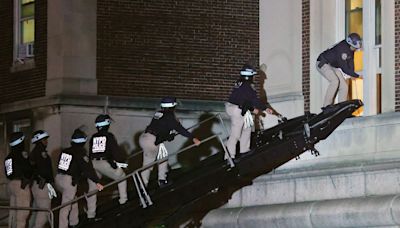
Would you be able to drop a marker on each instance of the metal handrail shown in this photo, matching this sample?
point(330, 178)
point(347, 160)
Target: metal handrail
point(178, 152)
point(132, 174)
point(195, 125)
point(50, 211)
point(85, 195)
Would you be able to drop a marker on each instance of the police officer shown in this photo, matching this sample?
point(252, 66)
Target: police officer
point(42, 187)
point(242, 101)
point(161, 129)
point(72, 164)
point(18, 170)
point(107, 160)
point(332, 62)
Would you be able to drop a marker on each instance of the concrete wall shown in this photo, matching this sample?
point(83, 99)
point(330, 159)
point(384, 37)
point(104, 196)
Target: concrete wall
point(323, 34)
point(280, 50)
point(61, 115)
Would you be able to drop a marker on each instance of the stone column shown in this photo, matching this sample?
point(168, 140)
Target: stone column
point(71, 51)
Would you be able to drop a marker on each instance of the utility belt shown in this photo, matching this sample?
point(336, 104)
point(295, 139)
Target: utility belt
point(151, 132)
point(322, 61)
point(100, 159)
point(232, 104)
point(109, 160)
point(41, 182)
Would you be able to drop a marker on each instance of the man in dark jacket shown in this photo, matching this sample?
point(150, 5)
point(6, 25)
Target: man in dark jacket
point(107, 160)
point(42, 187)
point(242, 101)
point(334, 63)
point(18, 170)
point(162, 128)
point(72, 165)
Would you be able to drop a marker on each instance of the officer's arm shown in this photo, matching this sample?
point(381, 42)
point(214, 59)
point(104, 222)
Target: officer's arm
point(347, 67)
point(257, 103)
point(87, 169)
point(115, 149)
point(177, 126)
point(34, 164)
point(50, 174)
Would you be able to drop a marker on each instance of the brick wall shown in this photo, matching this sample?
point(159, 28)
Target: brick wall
point(306, 53)
point(29, 83)
point(397, 55)
point(188, 49)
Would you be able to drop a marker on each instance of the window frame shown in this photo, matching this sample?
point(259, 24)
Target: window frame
point(18, 20)
point(371, 52)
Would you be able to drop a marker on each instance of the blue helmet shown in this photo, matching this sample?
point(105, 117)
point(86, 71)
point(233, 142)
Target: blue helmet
point(78, 137)
point(102, 120)
point(248, 71)
point(168, 102)
point(354, 40)
point(16, 138)
point(39, 135)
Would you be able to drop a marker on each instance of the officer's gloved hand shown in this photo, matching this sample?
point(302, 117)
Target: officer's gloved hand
point(247, 105)
point(281, 119)
point(52, 192)
point(121, 165)
point(170, 137)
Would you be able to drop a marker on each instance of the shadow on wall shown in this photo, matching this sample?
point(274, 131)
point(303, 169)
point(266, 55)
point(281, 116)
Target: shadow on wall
point(188, 159)
point(191, 215)
point(135, 157)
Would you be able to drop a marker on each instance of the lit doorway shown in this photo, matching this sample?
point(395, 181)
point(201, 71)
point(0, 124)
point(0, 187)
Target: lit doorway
point(354, 11)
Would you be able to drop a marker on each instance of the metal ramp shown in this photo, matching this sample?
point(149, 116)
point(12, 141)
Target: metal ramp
point(212, 181)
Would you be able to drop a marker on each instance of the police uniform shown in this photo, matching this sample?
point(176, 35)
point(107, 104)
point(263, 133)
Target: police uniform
point(162, 128)
point(242, 99)
point(43, 175)
point(18, 170)
point(105, 154)
point(331, 62)
point(72, 164)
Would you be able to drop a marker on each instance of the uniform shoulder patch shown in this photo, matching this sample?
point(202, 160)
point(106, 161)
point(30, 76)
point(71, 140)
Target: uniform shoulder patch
point(238, 84)
point(158, 115)
point(344, 56)
point(44, 154)
point(86, 159)
point(25, 154)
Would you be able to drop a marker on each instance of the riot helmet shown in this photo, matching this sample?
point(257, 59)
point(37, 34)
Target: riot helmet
point(39, 135)
point(247, 72)
point(16, 138)
point(78, 137)
point(102, 121)
point(354, 40)
point(168, 102)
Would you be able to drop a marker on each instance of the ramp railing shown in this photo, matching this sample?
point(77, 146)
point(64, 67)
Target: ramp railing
point(141, 188)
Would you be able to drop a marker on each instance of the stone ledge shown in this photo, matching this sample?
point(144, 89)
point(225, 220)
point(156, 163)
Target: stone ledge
point(123, 102)
point(381, 211)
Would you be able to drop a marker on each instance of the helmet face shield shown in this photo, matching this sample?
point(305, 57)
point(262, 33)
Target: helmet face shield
point(248, 71)
point(39, 135)
point(102, 120)
point(16, 138)
point(168, 102)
